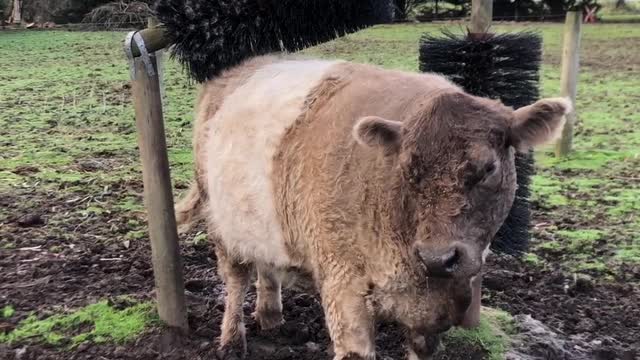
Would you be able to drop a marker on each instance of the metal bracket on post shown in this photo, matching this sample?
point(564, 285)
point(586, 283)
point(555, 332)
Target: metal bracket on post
point(130, 58)
point(144, 54)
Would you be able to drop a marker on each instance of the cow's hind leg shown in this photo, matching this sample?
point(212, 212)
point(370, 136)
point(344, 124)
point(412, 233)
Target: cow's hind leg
point(268, 311)
point(236, 276)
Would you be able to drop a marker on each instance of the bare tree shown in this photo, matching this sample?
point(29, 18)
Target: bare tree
point(16, 13)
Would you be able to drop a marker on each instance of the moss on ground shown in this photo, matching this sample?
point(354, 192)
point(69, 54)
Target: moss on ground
point(532, 259)
point(579, 240)
point(97, 323)
point(8, 311)
point(492, 334)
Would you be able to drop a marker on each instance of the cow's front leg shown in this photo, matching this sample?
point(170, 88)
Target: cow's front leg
point(421, 346)
point(351, 324)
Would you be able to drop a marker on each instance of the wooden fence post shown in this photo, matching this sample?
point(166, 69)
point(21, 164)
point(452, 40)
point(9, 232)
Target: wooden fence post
point(481, 15)
point(158, 197)
point(16, 13)
point(152, 22)
point(569, 76)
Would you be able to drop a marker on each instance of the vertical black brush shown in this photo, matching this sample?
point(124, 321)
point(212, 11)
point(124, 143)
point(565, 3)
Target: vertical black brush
point(498, 66)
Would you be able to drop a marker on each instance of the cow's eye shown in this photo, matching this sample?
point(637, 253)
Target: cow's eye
point(490, 168)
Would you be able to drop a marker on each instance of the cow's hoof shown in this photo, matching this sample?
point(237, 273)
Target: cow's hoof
point(231, 352)
point(423, 347)
point(354, 356)
point(268, 320)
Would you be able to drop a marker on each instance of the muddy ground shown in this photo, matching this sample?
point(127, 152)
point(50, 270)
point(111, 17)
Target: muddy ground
point(83, 269)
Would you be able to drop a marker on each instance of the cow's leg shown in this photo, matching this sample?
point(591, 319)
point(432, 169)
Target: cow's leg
point(422, 347)
point(268, 311)
point(236, 277)
point(351, 324)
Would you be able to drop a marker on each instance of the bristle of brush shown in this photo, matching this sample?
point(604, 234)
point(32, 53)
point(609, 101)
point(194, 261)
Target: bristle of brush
point(500, 66)
point(210, 36)
point(513, 237)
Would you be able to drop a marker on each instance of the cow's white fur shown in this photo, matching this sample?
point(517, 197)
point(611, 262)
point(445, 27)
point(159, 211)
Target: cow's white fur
point(244, 136)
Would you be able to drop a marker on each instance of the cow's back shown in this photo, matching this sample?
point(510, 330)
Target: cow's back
point(244, 136)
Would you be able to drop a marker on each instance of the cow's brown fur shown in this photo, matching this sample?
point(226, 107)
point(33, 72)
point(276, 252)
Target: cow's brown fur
point(359, 204)
point(360, 197)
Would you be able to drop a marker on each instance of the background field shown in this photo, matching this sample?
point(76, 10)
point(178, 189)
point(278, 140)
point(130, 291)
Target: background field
point(72, 227)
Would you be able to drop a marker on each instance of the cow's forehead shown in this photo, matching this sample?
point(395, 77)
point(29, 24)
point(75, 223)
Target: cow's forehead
point(459, 117)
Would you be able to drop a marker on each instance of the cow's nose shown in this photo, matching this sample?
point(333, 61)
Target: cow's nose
point(451, 262)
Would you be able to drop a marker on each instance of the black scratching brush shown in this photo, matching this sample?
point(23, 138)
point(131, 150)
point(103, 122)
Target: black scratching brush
point(498, 66)
point(209, 36)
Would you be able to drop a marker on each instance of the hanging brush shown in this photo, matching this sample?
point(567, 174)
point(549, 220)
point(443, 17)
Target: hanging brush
point(498, 66)
point(210, 36)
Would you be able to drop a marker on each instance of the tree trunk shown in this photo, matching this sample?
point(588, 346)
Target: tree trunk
point(16, 13)
point(620, 4)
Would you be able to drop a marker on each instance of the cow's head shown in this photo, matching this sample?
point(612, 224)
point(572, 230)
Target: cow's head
point(455, 178)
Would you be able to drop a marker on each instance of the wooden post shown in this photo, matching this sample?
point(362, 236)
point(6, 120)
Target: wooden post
point(152, 22)
point(569, 76)
point(16, 13)
point(481, 16)
point(472, 316)
point(158, 197)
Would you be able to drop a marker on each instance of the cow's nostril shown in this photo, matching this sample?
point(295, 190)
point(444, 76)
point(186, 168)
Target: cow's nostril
point(451, 260)
point(443, 265)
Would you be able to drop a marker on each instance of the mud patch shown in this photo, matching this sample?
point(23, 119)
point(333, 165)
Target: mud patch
point(598, 316)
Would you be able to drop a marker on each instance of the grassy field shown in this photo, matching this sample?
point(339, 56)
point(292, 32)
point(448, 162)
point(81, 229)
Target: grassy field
point(66, 122)
point(67, 132)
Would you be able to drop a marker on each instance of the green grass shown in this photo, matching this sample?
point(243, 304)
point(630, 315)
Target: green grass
point(97, 323)
point(532, 259)
point(8, 311)
point(492, 334)
point(64, 98)
point(629, 254)
point(579, 239)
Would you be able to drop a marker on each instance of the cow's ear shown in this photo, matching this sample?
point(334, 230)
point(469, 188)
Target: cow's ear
point(539, 123)
point(373, 131)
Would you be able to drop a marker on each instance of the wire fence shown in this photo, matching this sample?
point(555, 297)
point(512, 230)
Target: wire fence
point(123, 25)
point(427, 18)
point(496, 18)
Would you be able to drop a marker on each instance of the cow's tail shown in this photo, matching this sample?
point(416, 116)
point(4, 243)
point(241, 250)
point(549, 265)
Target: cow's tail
point(190, 208)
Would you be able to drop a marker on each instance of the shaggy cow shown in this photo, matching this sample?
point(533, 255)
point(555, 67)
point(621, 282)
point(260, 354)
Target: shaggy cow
point(386, 186)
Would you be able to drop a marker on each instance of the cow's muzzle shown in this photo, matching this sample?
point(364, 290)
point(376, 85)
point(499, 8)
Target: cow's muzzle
point(456, 261)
